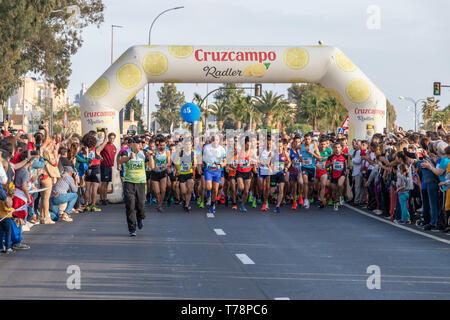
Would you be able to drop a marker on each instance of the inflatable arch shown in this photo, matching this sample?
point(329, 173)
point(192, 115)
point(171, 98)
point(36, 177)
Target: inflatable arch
point(325, 65)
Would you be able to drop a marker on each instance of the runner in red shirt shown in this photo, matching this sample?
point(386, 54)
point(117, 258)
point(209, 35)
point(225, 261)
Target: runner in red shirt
point(338, 163)
point(243, 172)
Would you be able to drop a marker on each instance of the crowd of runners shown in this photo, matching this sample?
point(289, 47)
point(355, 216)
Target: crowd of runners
point(401, 176)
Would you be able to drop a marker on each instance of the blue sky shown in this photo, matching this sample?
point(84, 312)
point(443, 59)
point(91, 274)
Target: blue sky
point(403, 58)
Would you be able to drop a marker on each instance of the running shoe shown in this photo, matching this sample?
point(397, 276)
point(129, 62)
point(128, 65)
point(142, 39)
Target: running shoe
point(254, 203)
point(222, 199)
point(341, 200)
point(208, 202)
point(87, 208)
point(201, 205)
point(234, 207)
point(277, 210)
point(159, 208)
point(212, 209)
point(294, 205)
point(306, 205)
point(250, 198)
point(243, 209)
point(95, 209)
point(133, 233)
point(140, 224)
point(259, 202)
point(300, 200)
point(199, 200)
point(264, 208)
point(330, 202)
point(335, 206)
point(322, 205)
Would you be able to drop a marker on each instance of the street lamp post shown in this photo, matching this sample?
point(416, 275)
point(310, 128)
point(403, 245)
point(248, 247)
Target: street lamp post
point(415, 108)
point(149, 38)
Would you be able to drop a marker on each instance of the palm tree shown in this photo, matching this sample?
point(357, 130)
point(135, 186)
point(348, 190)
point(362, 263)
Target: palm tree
point(332, 109)
point(267, 104)
point(240, 110)
point(428, 109)
point(283, 114)
point(311, 109)
point(221, 112)
point(205, 110)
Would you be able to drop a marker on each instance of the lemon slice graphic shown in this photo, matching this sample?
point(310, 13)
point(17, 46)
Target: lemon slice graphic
point(344, 63)
point(99, 89)
point(247, 71)
point(155, 63)
point(128, 75)
point(296, 58)
point(181, 52)
point(358, 91)
point(258, 69)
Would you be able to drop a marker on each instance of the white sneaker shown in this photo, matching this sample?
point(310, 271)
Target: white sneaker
point(341, 200)
point(25, 227)
point(208, 202)
point(377, 212)
point(306, 204)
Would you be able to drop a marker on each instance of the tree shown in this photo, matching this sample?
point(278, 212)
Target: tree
point(205, 110)
point(221, 111)
point(334, 111)
point(170, 101)
point(136, 105)
point(267, 105)
point(37, 36)
point(240, 110)
point(229, 93)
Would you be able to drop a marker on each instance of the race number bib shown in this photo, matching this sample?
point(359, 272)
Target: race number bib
point(338, 166)
point(296, 164)
point(307, 161)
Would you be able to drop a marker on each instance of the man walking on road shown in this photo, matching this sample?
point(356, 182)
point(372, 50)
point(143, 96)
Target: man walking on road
point(134, 184)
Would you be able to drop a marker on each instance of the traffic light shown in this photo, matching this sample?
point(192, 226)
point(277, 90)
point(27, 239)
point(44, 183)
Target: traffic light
point(430, 113)
point(437, 88)
point(258, 89)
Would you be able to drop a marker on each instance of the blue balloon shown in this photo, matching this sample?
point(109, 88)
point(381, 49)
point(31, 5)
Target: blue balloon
point(190, 112)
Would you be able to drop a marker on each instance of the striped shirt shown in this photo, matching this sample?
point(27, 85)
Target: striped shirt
point(65, 185)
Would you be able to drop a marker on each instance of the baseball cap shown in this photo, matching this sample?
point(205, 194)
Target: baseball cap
point(68, 169)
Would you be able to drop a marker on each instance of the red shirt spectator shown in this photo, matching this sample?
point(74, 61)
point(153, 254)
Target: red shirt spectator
point(108, 154)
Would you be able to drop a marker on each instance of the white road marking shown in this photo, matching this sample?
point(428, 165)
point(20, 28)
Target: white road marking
point(282, 298)
point(398, 225)
point(219, 232)
point(210, 215)
point(244, 258)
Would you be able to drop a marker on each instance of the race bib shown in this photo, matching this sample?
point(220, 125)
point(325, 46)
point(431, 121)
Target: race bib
point(338, 166)
point(296, 164)
point(185, 167)
point(307, 161)
point(211, 166)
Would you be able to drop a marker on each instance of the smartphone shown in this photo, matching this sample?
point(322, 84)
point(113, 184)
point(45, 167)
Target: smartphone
point(7, 117)
point(24, 136)
point(34, 153)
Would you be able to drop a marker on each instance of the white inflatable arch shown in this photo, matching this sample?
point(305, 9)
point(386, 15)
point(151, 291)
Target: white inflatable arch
point(144, 64)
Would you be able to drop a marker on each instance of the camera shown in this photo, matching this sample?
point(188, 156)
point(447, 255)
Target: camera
point(131, 132)
point(100, 129)
point(34, 153)
point(24, 136)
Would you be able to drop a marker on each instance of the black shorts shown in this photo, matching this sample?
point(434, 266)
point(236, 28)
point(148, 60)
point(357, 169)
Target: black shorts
point(157, 176)
point(277, 178)
point(93, 174)
point(310, 172)
point(243, 175)
point(148, 175)
point(105, 174)
point(185, 177)
point(335, 180)
point(172, 177)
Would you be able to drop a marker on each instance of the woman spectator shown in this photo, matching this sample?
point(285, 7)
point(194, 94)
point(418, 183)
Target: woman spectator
point(49, 153)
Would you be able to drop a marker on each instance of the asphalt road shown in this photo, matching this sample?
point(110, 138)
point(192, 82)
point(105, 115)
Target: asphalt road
point(309, 254)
